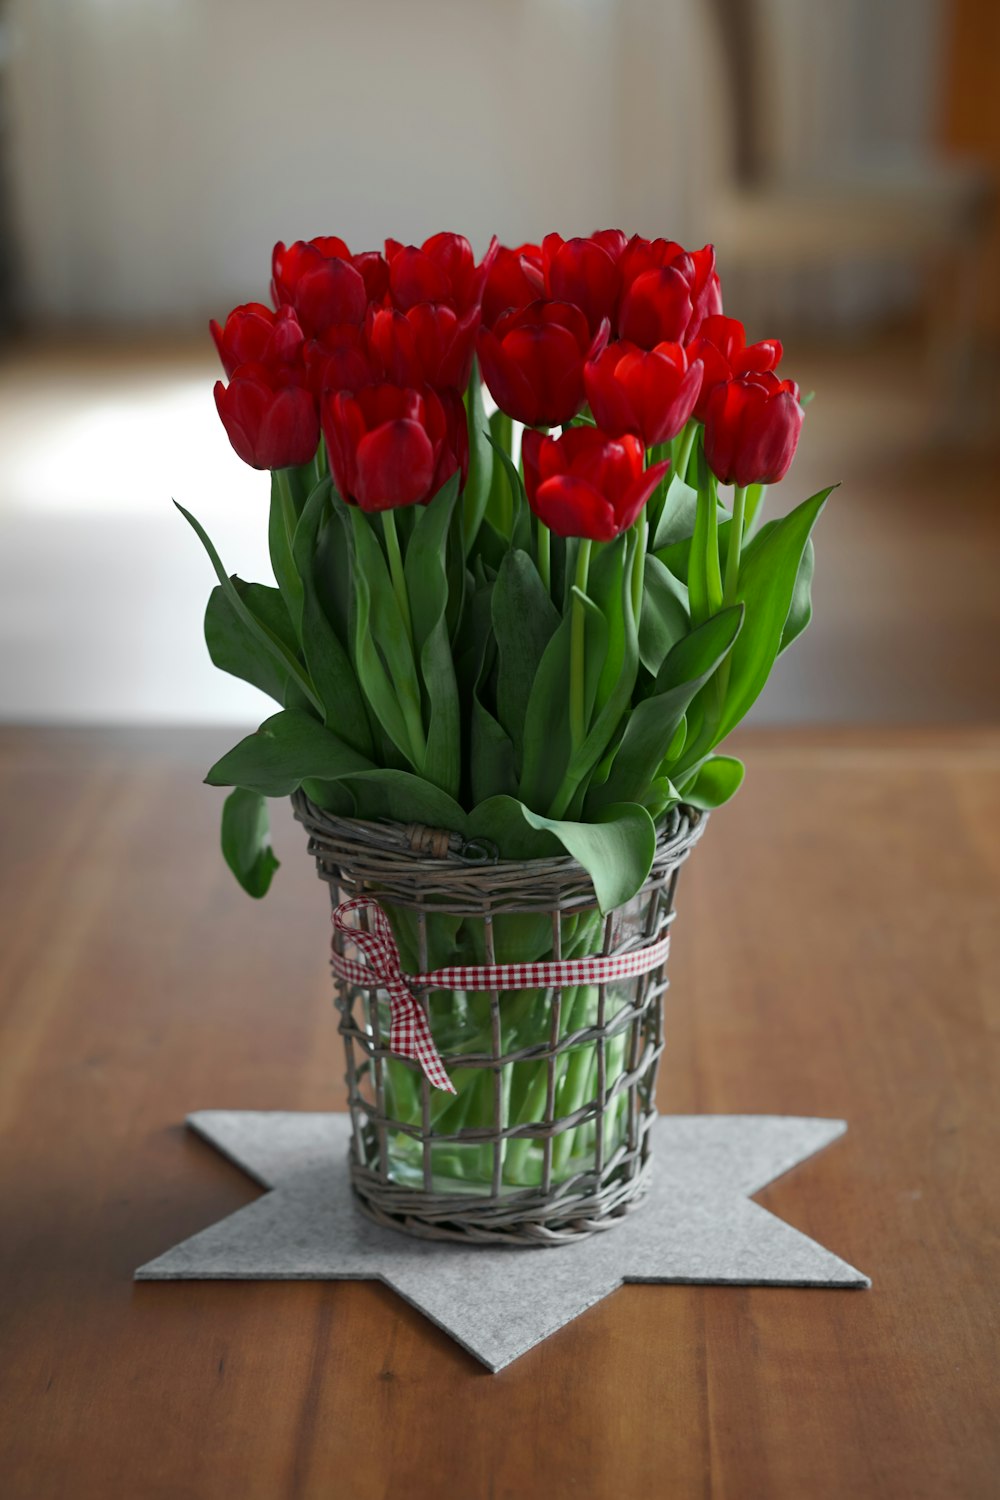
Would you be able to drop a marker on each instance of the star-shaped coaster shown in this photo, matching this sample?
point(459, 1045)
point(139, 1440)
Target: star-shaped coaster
point(697, 1224)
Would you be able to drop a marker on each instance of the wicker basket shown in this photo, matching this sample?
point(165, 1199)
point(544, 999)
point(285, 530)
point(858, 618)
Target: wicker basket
point(549, 1138)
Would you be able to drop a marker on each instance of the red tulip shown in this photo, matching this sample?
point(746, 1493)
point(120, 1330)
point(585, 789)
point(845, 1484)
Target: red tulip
point(586, 483)
point(374, 272)
point(339, 361)
point(442, 270)
point(514, 279)
point(724, 352)
point(253, 334)
point(752, 429)
point(271, 419)
point(391, 446)
point(585, 272)
point(533, 361)
point(319, 280)
point(650, 394)
point(667, 292)
point(428, 345)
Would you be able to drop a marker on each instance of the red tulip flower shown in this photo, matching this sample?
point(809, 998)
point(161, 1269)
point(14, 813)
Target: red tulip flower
point(585, 272)
point(271, 418)
point(428, 345)
point(391, 446)
point(320, 281)
point(533, 361)
point(339, 361)
point(374, 273)
point(442, 270)
point(752, 428)
point(514, 279)
point(650, 394)
point(667, 292)
point(253, 334)
point(724, 352)
point(587, 484)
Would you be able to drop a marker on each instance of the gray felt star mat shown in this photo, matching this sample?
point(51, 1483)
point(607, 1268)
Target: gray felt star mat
point(696, 1225)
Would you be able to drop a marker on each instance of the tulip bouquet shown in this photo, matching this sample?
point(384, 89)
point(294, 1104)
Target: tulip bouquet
point(511, 599)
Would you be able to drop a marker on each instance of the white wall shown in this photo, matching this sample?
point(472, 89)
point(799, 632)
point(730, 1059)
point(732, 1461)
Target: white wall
point(160, 148)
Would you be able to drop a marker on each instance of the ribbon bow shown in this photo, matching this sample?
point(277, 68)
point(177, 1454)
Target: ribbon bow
point(409, 1033)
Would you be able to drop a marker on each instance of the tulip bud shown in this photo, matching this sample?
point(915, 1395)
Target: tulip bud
point(391, 446)
point(584, 272)
point(442, 270)
point(724, 352)
point(533, 361)
point(586, 483)
point(667, 292)
point(271, 419)
point(514, 279)
point(752, 428)
point(428, 345)
point(320, 282)
point(253, 334)
point(339, 360)
point(650, 394)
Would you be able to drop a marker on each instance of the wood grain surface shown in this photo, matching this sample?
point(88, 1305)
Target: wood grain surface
point(836, 953)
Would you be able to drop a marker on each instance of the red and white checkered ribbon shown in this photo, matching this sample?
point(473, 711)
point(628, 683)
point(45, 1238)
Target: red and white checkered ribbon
point(409, 1033)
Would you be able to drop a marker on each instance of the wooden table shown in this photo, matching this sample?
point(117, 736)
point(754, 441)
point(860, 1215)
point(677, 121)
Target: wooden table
point(836, 954)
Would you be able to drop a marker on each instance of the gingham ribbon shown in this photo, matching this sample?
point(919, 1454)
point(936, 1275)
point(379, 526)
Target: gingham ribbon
point(409, 1033)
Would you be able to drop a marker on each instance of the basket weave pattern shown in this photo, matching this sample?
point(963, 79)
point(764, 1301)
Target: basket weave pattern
point(421, 875)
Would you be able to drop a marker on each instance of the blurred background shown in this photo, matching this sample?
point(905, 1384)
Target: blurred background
point(844, 158)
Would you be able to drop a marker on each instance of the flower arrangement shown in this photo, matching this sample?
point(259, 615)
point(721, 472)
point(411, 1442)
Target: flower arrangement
point(511, 599)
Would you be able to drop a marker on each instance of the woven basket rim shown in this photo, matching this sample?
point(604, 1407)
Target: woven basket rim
point(684, 824)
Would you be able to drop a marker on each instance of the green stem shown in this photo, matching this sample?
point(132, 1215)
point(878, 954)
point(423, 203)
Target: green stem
point(409, 696)
point(639, 566)
point(729, 591)
point(713, 572)
point(545, 555)
point(735, 545)
point(396, 570)
point(577, 723)
point(684, 451)
point(289, 514)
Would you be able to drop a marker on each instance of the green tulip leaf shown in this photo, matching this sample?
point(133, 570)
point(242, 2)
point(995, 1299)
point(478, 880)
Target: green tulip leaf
point(236, 649)
point(654, 721)
point(287, 749)
point(800, 610)
point(281, 526)
point(769, 570)
point(524, 621)
point(246, 841)
point(546, 721)
point(664, 619)
point(272, 644)
point(520, 514)
point(427, 587)
point(328, 663)
point(610, 585)
point(481, 462)
point(616, 850)
point(678, 516)
point(493, 766)
point(718, 779)
point(380, 639)
point(402, 797)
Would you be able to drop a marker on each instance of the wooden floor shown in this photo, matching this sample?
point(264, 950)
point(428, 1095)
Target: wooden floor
point(836, 954)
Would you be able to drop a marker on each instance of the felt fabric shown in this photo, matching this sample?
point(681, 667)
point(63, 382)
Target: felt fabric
point(697, 1224)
